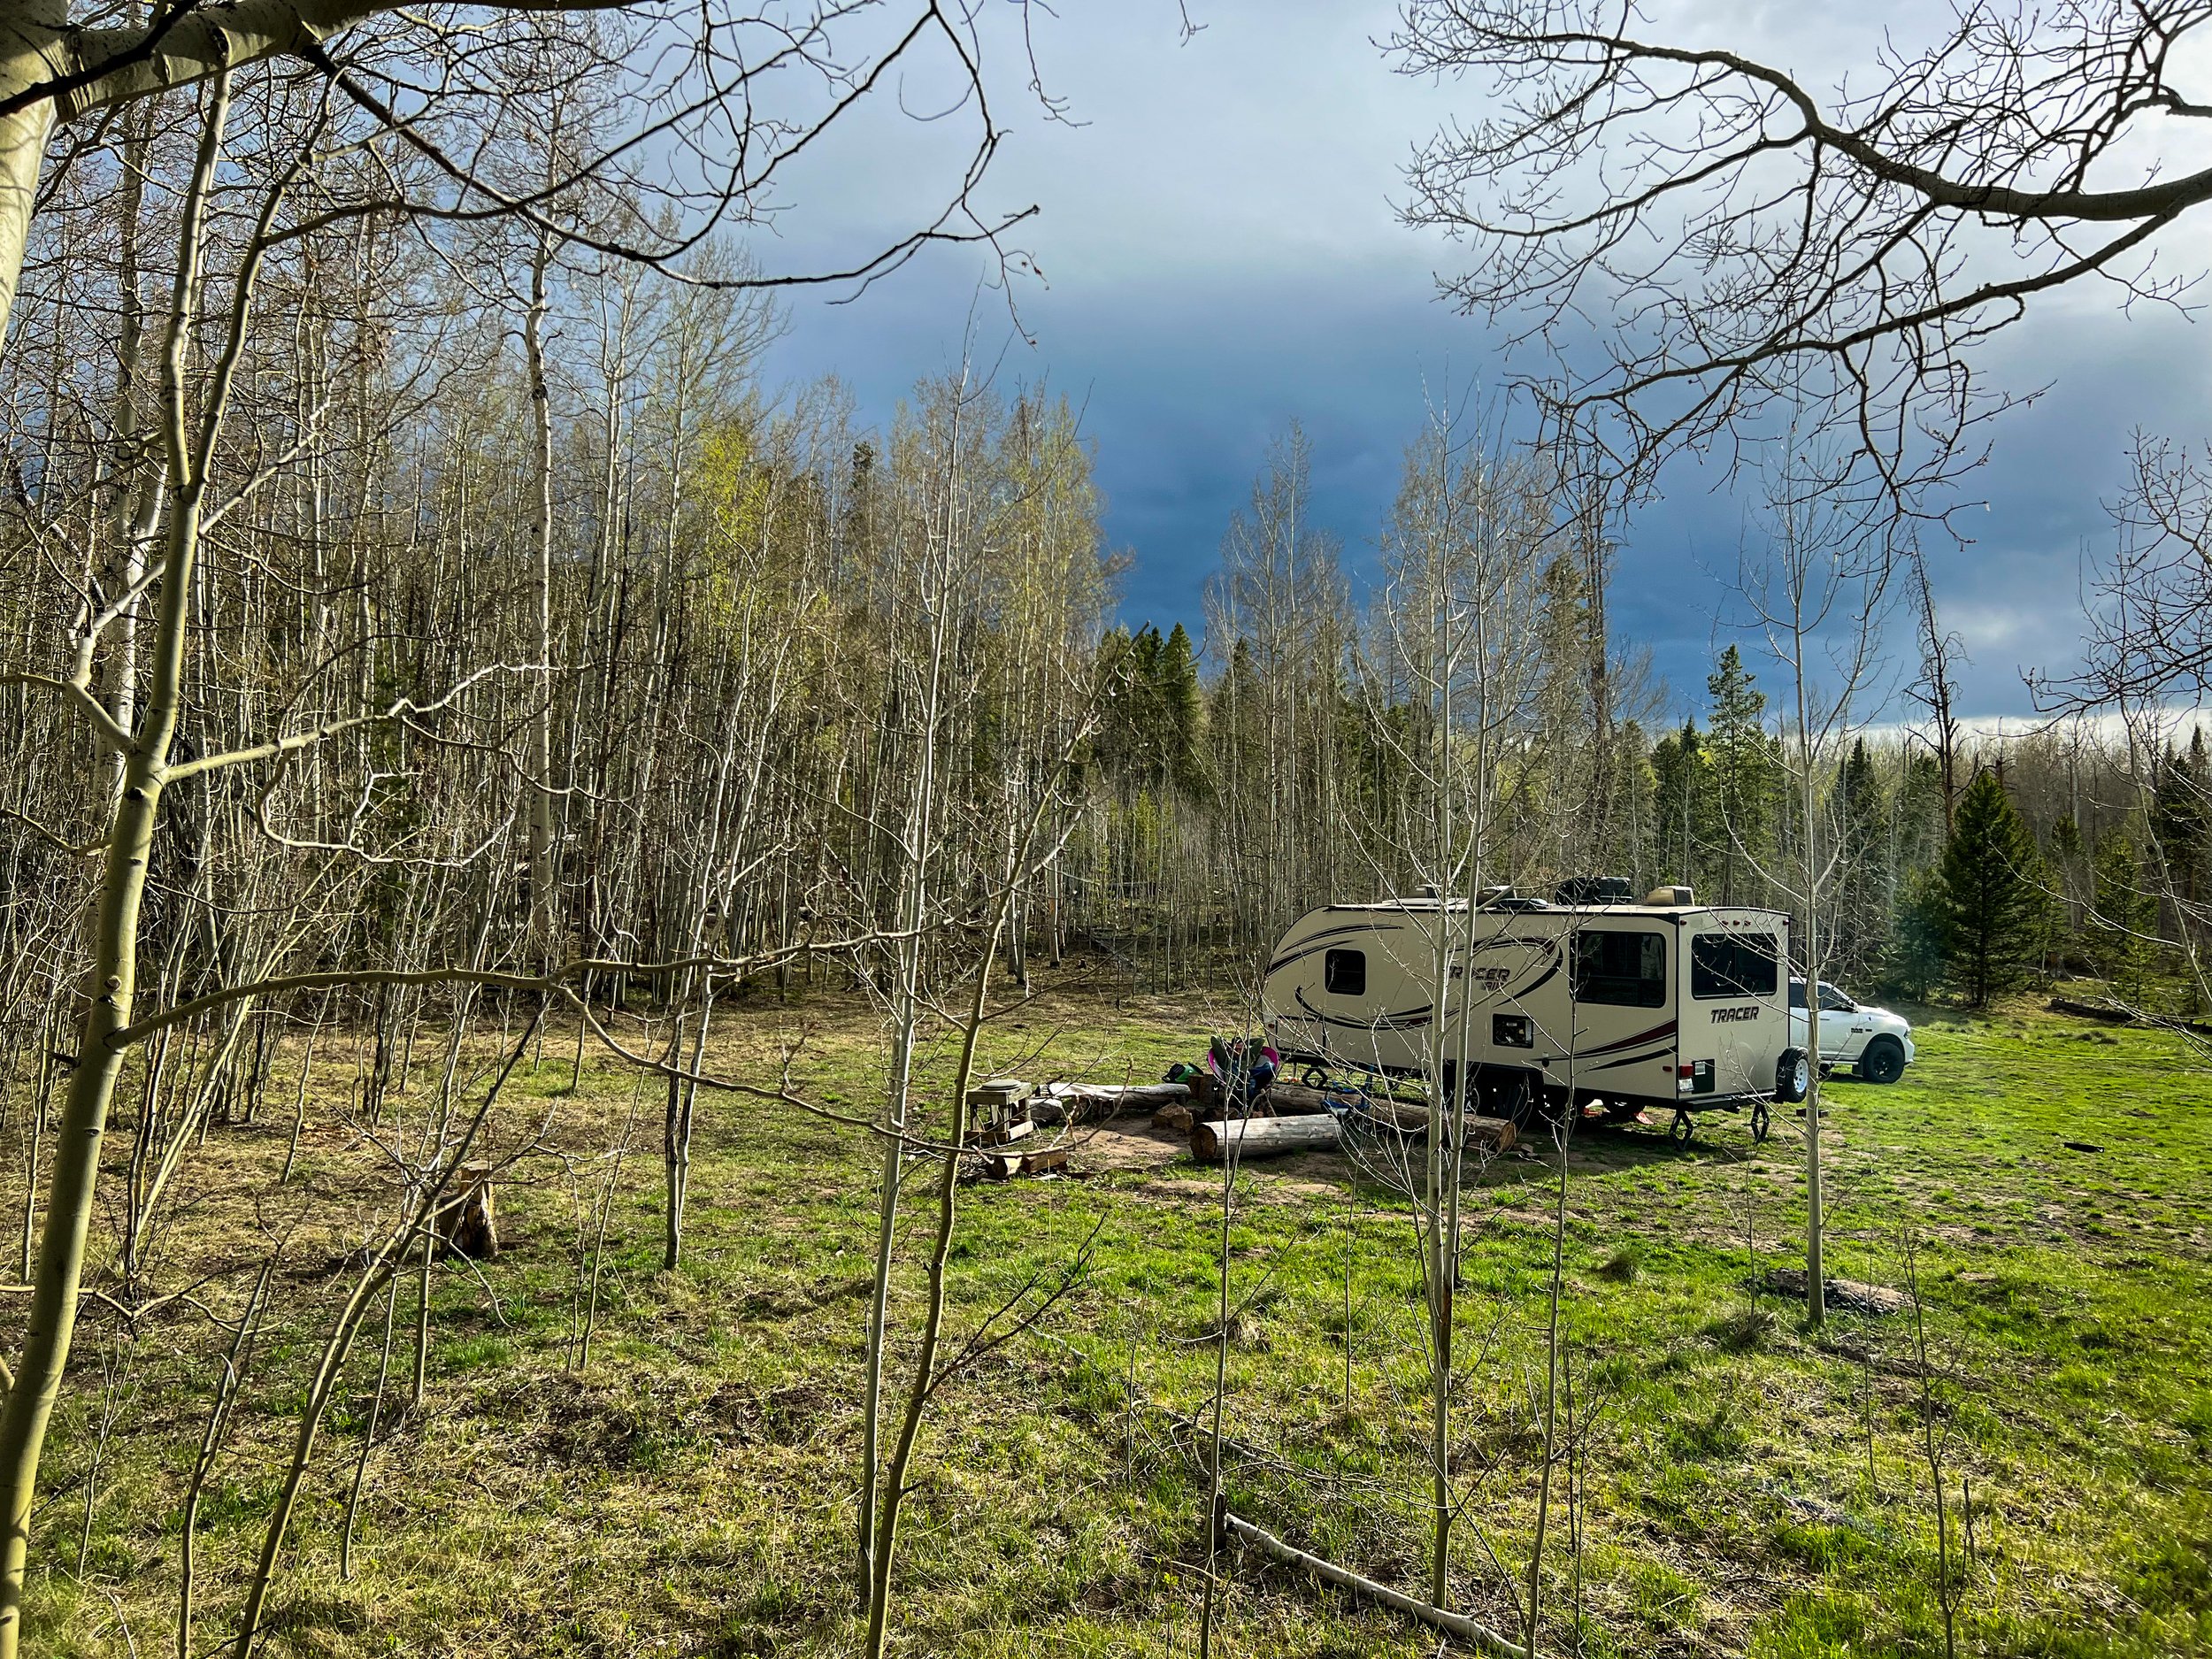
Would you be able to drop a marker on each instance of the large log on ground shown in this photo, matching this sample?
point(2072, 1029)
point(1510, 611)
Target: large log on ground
point(1291, 1100)
point(1262, 1137)
point(1413, 1120)
point(1094, 1103)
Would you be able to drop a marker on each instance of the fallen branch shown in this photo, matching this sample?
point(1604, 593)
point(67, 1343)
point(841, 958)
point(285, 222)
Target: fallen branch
point(1458, 1624)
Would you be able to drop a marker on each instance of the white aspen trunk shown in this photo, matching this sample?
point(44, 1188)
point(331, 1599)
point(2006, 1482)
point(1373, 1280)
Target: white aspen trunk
point(914, 890)
point(543, 923)
point(111, 976)
point(1809, 797)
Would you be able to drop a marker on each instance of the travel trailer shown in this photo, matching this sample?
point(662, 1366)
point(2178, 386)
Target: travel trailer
point(1589, 996)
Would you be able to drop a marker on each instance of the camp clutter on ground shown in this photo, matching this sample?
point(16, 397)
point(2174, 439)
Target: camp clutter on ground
point(1231, 1105)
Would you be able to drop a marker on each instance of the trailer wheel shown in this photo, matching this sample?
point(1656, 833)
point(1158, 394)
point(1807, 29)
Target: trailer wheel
point(1759, 1122)
point(1681, 1129)
point(1883, 1062)
point(1792, 1076)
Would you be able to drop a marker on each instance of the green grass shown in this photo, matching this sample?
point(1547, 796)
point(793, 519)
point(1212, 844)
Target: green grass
point(694, 1491)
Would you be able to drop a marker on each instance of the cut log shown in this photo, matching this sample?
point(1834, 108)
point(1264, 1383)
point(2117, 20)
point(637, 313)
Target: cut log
point(465, 1222)
point(1291, 1100)
point(1004, 1163)
point(1494, 1134)
point(1134, 1096)
point(1262, 1137)
point(1413, 1120)
point(1095, 1102)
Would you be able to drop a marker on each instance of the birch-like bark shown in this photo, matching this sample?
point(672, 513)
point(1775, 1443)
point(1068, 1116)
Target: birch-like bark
point(111, 978)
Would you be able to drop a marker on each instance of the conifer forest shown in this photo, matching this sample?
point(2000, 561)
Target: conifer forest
point(643, 999)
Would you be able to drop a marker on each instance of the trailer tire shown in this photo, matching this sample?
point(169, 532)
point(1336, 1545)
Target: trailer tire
point(1883, 1061)
point(1792, 1076)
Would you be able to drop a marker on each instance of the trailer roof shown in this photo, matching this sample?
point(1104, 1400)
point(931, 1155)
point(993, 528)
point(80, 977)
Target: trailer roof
point(1546, 908)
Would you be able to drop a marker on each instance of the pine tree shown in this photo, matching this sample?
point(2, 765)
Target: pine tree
point(1182, 713)
point(2181, 824)
point(2125, 913)
point(1994, 903)
point(1861, 927)
point(1917, 815)
point(1682, 827)
point(1916, 960)
point(1746, 780)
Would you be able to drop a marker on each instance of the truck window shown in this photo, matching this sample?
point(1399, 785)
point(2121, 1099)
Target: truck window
point(1733, 965)
point(1344, 973)
point(1624, 969)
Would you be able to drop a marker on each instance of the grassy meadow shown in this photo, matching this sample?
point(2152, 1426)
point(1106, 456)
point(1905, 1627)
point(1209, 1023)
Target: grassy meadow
point(1738, 1482)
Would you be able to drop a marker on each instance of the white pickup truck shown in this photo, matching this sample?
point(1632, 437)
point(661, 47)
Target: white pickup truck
point(1872, 1042)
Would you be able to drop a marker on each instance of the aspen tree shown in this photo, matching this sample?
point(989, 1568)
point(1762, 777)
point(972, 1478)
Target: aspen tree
point(1816, 591)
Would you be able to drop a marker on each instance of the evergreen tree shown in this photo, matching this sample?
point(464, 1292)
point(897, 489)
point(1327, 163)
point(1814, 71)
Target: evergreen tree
point(1182, 712)
point(2125, 913)
point(1682, 819)
point(1994, 903)
point(1916, 960)
point(2074, 877)
point(1916, 834)
point(1862, 926)
point(2181, 824)
point(1746, 780)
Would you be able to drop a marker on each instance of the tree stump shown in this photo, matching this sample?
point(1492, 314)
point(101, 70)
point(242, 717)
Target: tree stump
point(465, 1222)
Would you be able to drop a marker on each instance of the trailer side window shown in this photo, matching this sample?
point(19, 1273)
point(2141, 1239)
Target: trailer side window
point(1344, 973)
point(1734, 964)
point(1624, 969)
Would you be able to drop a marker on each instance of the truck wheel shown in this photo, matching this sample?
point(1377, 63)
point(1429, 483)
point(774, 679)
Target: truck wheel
point(1792, 1076)
point(1884, 1061)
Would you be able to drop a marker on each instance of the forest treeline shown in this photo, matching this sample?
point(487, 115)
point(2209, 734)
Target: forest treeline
point(545, 631)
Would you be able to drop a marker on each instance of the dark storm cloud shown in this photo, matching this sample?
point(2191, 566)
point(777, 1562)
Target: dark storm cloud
point(1220, 258)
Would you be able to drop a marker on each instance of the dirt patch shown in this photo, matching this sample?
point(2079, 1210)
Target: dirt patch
point(1129, 1143)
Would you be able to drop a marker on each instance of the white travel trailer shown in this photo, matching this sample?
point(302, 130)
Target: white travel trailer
point(1590, 997)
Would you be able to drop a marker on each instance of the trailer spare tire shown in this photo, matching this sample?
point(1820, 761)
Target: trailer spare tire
point(1792, 1076)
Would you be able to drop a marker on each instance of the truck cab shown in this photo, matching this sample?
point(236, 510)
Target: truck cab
point(1874, 1044)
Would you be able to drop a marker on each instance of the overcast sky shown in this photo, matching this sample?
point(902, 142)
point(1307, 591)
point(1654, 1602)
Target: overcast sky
point(1220, 257)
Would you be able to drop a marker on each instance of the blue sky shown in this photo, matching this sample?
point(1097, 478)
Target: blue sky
point(1220, 257)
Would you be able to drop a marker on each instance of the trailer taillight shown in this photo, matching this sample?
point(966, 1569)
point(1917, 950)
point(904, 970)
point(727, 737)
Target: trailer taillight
point(1685, 1069)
